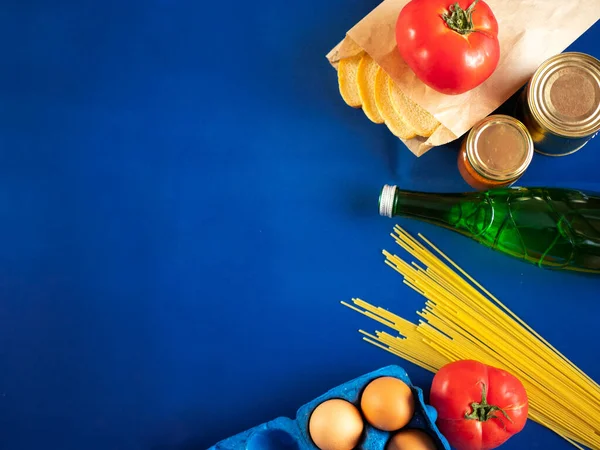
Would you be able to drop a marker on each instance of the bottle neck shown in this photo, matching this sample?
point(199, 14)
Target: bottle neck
point(440, 209)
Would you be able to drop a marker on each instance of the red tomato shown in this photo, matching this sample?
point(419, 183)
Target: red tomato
point(452, 46)
point(479, 407)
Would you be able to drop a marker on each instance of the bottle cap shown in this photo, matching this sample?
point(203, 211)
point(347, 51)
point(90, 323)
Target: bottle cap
point(386, 201)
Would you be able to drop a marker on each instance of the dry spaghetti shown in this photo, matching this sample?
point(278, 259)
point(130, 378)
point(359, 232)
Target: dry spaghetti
point(462, 320)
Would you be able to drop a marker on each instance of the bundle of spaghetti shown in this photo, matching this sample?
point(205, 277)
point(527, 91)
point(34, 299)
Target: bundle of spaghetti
point(462, 320)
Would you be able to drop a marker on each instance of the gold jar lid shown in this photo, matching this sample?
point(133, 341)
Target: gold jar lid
point(499, 148)
point(564, 95)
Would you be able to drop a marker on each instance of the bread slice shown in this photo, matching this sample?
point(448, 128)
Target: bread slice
point(415, 116)
point(391, 118)
point(347, 71)
point(367, 69)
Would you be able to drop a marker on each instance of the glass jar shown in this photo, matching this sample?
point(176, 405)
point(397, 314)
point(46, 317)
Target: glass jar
point(495, 153)
point(560, 105)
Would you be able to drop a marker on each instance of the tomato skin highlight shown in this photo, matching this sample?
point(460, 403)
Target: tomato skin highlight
point(446, 60)
point(458, 386)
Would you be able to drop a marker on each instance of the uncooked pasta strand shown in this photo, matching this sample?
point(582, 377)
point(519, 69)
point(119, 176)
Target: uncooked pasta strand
point(462, 320)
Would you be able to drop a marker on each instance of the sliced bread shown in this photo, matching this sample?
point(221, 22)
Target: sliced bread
point(367, 69)
point(415, 116)
point(391, 118)
point(347, 73)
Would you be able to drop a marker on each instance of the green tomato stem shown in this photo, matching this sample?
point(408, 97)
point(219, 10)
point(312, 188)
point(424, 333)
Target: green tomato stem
point(460, 20)
point(483, 411)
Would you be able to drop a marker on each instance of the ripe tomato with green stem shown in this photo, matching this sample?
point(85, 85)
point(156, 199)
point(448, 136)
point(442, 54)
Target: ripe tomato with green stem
point(451, 45)
point(479, 407)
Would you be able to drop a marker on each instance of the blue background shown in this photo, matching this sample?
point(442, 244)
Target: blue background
point(186, 199)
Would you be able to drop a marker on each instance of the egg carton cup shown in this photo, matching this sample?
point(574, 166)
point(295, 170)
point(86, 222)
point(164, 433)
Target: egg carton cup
point(287, 434)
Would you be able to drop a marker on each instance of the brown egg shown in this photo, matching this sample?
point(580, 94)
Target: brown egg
point(335, 425)
point(387, 403)
point(410, 440)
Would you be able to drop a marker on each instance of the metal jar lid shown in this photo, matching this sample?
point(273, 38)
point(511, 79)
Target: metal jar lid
point(564, 95)
point(499, 148)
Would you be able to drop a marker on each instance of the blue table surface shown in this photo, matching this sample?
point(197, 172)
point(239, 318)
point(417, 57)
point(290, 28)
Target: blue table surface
point(185, 201)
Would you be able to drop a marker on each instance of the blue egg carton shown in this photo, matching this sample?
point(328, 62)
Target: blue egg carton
point(286, 434)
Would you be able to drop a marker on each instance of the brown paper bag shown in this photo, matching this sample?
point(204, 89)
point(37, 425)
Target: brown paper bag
point(530, 31)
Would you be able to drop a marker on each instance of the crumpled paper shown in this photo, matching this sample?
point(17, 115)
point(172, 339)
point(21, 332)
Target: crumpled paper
point(530, 31)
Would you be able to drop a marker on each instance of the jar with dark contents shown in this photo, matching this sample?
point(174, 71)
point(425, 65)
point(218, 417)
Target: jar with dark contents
point(495, 153)
point(560, 106)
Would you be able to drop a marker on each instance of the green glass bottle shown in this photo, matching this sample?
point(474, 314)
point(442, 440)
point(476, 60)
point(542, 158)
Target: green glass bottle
point(551, 227)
